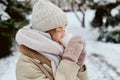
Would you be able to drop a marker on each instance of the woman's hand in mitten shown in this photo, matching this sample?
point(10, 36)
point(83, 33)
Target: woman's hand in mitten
point(81, 60)
point(74, 49)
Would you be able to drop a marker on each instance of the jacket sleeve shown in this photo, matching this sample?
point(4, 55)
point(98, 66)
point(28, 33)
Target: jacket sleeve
point(67, 70)
point(83, 75)
point(26, 70)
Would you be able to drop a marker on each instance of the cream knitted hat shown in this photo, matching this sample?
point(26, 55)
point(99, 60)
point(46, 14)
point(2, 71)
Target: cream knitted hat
point(47, 16)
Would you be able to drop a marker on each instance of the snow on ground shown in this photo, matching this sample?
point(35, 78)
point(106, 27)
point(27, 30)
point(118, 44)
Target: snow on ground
point(105, 58)
point(102, 58)
point(7, 67)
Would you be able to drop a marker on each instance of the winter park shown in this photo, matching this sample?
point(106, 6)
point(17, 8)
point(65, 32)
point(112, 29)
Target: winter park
point(97, 21)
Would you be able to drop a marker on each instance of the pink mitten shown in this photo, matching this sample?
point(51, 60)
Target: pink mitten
point(74, 49)
point(81, 58)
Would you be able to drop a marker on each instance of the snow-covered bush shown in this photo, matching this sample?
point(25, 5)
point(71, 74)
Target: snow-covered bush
point(12, 17)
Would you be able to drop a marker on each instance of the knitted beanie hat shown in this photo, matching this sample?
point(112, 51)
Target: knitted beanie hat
point(47, 16)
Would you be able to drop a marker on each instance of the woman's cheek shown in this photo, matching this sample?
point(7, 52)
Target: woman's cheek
point(58, 37)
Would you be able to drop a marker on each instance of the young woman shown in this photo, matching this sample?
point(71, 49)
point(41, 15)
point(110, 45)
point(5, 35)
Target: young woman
point(44, 56)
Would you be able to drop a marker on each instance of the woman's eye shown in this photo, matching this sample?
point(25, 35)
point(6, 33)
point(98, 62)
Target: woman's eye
point(59, 31)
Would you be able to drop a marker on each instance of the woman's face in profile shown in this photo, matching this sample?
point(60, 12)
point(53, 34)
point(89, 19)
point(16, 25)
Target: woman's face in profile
point(58, 34)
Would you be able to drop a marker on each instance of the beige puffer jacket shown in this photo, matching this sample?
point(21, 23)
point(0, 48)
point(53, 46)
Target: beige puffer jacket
point(28, 68)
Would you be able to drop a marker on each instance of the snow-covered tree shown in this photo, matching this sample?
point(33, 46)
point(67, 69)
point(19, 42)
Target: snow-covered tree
point(107, 18)
point(12, 17)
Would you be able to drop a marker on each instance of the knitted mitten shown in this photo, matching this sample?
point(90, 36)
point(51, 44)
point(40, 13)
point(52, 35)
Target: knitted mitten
point(81, 59)
point(74, 49)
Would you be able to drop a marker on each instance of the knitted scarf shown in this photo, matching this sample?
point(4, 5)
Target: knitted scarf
point(42, 43)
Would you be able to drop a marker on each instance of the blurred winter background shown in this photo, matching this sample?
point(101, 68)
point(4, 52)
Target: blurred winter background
point(98, 21)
